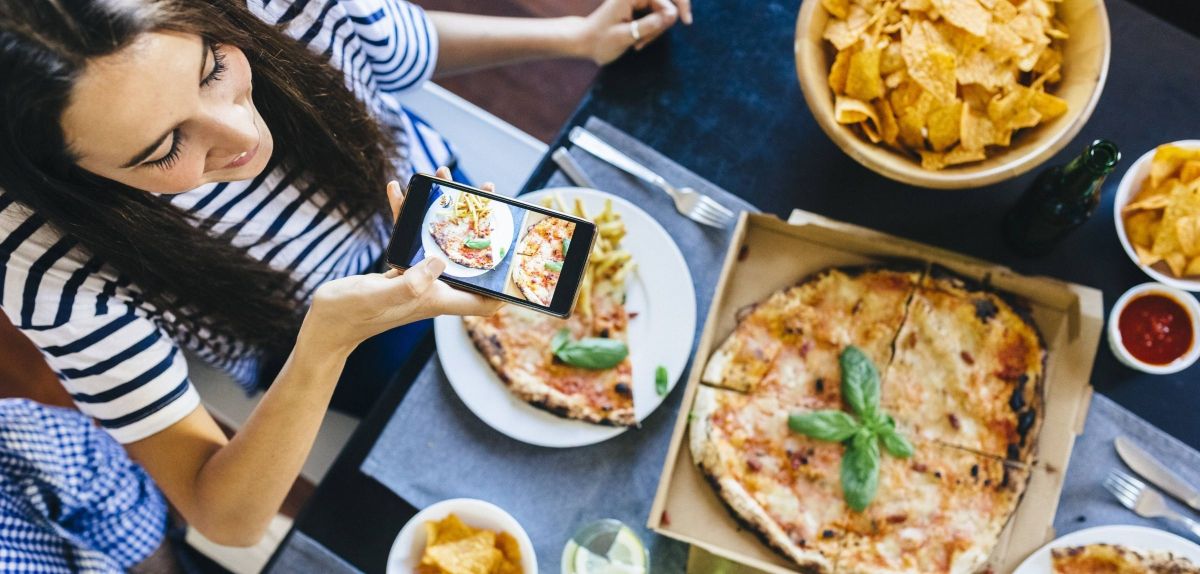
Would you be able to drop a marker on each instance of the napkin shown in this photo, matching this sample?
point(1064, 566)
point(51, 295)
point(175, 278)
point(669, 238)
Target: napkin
point(433, 448)
point(303, 554)
point(1086, 503)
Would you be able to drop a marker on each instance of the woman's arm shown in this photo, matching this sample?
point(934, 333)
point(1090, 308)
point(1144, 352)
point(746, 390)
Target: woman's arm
point(469, 41)
point(230, 489)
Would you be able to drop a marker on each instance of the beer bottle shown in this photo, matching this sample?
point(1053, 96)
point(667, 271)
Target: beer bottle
point(1061, 199)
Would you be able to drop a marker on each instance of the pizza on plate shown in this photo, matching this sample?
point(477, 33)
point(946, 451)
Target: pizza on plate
point(463, 230)
point(518, 343)
point(1115, 559)
point(539, 257)
point(960, 370)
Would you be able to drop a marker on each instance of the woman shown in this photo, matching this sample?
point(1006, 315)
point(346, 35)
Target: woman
point(203, 175)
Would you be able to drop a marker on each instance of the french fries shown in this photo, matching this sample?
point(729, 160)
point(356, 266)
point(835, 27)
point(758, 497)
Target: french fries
point(609, 262)
point(472, 207)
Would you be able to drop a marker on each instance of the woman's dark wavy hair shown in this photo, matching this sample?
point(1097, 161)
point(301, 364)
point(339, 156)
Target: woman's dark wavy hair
point(206, 283)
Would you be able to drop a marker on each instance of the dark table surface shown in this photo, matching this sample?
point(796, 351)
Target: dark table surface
point(722, 99)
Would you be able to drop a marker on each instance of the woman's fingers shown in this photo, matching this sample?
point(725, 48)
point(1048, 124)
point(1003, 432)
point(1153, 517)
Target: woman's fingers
point(685, 11)
point(451, 301)
point(444, 173)
point(395, 197)
point(488, 186)
point(418, 279)
point(652, 25)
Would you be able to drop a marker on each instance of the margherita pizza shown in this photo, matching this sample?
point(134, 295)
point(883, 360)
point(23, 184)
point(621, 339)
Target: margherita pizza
point(960, 371)
point(1113, 559)
point(519, 343)
point(538, 260)
point(464, 230)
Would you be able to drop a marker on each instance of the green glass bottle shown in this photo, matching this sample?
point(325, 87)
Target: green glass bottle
point(1061, 199)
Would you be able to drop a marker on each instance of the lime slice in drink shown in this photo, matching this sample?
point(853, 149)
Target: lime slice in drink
point(625, 556)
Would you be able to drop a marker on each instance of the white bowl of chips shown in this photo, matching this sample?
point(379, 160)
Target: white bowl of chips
point(952, 94)
point(1157, 213)
point(462, 535)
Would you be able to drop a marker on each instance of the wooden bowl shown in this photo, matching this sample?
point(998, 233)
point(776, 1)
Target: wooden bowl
point(1085, 67)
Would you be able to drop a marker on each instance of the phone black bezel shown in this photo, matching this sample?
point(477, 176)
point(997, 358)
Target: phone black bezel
point(413, 213)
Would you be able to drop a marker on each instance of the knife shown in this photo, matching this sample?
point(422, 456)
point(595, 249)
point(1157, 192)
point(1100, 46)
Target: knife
point(571, 168)
point(1156, 472)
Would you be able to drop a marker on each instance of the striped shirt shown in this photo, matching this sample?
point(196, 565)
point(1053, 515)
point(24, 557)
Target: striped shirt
point(109, 348)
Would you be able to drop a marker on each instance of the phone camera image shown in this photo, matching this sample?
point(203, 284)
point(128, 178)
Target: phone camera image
point(493, 245)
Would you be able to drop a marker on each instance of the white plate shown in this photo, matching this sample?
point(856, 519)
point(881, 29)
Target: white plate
point(410, 543)
point(502, 237)
point(660, 293)
point(1134, 537)
point(1131, 184)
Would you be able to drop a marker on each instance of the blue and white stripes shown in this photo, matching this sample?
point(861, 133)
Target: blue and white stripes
point(109, 347)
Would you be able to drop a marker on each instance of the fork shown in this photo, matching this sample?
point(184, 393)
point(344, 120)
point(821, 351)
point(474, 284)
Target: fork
point(1144, 501)
point(689, 202)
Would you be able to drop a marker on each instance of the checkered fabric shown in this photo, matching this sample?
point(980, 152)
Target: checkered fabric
point(71, 500)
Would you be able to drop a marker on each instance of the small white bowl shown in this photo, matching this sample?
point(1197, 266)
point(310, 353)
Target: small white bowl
point(1131, 184)
point(410, 543)
point(1189, 304)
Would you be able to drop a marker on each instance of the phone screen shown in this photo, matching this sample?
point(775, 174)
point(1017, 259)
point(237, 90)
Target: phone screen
point(492, 244)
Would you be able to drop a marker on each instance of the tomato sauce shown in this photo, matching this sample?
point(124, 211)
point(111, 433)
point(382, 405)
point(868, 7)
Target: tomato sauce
point(1155, 329)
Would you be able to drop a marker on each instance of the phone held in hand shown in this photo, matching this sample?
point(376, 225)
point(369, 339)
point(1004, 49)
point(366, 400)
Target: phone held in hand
point(494, 245)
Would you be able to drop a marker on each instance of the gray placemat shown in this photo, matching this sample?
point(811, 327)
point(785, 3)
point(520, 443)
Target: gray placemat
point(1085, 503)
point(433, 448)
point(303, 554)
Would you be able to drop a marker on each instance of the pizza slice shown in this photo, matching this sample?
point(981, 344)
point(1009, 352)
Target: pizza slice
point(790, 342)
point(968, 371)
point(539, 257)
point(781, 485)
point(1116, 559)
point(940, 511)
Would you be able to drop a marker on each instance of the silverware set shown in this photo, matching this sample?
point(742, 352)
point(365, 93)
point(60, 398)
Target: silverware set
point(688, 202)
point(1143, 500)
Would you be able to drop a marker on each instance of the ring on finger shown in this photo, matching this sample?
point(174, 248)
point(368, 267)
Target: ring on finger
point(633, 29)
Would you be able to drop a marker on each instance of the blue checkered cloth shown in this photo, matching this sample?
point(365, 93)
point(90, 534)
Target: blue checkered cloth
point(71, 500)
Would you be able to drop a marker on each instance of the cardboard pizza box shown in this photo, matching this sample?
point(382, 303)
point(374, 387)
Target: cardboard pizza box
point(767, 254)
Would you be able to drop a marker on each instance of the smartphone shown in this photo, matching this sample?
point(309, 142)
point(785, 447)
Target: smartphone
point(493, 245)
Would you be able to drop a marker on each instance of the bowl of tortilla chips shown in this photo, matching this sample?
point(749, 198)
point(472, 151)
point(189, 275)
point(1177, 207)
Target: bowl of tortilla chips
point(952, 94)
point(1157, 213)
point(462, 536)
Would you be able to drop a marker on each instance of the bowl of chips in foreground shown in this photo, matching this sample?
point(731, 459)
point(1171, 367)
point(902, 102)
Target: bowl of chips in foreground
point(462, 536)
point(952, 94)
point(1157, 212)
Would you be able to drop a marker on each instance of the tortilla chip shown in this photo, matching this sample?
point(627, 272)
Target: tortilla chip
point(1193, 268)
point(863, 81)
point(965, 14)
point(839, 71)
point(1167, 159)
point(1190, 171)
point(837, 8)
point(1151, 202)
point(1146, 256)
point(1048, 106)
point(929, 64)
point(889, 128)
point(1141, 227)
point(852, 111)
point(944, 126)
point(977, 131)
point(959, 155)
point(891, 60)
point(475, 554)
point(1187, 230)
point(448, 529)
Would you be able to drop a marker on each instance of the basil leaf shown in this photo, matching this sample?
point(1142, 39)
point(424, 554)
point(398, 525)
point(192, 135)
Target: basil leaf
point(661, 381)
point(593, 353)
point(555, 266)
point(561, 338)
point(833, 426)
point(475, 243)
point(860, 470)
point(895, 443)
point(881, 423)
point(860, 382)
point(503, 252)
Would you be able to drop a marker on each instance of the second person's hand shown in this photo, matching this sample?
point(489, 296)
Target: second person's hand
point(611, 29)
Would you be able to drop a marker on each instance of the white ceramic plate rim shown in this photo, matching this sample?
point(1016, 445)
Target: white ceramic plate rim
point(1135, 537)
point(663, 295)
point(1114, 330)
point(1134, 176)
point(502, 233)
point(401, 558)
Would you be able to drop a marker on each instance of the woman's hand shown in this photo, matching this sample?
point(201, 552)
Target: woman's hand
point(347, 311)
point(611, 29)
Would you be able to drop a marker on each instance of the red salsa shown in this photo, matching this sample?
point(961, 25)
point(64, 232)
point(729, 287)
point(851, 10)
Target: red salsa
point(1155, 329)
